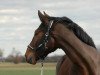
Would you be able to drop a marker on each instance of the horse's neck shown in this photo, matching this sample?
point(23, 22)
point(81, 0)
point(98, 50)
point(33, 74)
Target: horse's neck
point(77, 51)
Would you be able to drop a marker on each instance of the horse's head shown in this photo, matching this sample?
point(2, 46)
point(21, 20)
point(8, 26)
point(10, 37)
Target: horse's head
point(42, 43)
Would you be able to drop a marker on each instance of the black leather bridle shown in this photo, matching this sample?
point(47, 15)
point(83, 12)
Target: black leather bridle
point(42, 46)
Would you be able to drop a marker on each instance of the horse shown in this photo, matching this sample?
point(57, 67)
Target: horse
point(61, 32)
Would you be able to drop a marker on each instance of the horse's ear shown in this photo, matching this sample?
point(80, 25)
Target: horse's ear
point(46, 15)
point(42, 17)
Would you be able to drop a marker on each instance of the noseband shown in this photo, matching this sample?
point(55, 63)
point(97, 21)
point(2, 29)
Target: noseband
point(45, 40)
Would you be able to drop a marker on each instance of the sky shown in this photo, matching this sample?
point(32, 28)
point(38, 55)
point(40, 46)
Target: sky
point(19, 19)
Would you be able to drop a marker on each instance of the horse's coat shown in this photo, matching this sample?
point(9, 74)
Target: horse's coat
point(81, 54)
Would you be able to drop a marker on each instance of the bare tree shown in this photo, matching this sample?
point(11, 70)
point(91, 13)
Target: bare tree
point(14, 56)
point(1, 53)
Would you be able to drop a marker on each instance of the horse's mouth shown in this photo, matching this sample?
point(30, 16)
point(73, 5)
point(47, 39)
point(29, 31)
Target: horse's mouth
point(34, 61)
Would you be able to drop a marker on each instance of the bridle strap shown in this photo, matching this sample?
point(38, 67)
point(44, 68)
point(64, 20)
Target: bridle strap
point(29, 46)
point(41, 67)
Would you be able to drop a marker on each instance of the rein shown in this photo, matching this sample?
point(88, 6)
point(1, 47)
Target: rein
point(41, 67)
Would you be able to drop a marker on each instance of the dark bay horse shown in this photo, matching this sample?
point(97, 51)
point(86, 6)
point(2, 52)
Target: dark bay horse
point(60, 32)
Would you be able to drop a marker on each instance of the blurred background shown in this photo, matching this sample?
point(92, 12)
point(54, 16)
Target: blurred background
point(19, 19)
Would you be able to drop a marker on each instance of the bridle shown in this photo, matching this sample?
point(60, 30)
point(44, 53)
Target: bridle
point(45, 40)
point(43, 44)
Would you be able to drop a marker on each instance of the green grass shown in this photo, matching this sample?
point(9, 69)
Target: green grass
point(26, 72)
point(26, 69)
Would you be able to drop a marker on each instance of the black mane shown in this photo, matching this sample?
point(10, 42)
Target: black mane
point(78, 31)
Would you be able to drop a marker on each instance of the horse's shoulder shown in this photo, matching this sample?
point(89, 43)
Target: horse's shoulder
point(59, 63)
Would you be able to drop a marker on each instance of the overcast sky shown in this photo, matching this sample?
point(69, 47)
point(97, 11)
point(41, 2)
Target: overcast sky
point(19, 19)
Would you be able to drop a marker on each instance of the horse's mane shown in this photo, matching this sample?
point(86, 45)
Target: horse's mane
point(78, 31)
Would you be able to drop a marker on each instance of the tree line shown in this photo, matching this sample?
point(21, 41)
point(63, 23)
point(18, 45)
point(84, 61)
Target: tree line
point(16, 57)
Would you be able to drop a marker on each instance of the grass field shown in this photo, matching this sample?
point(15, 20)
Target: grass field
point(26, 69)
